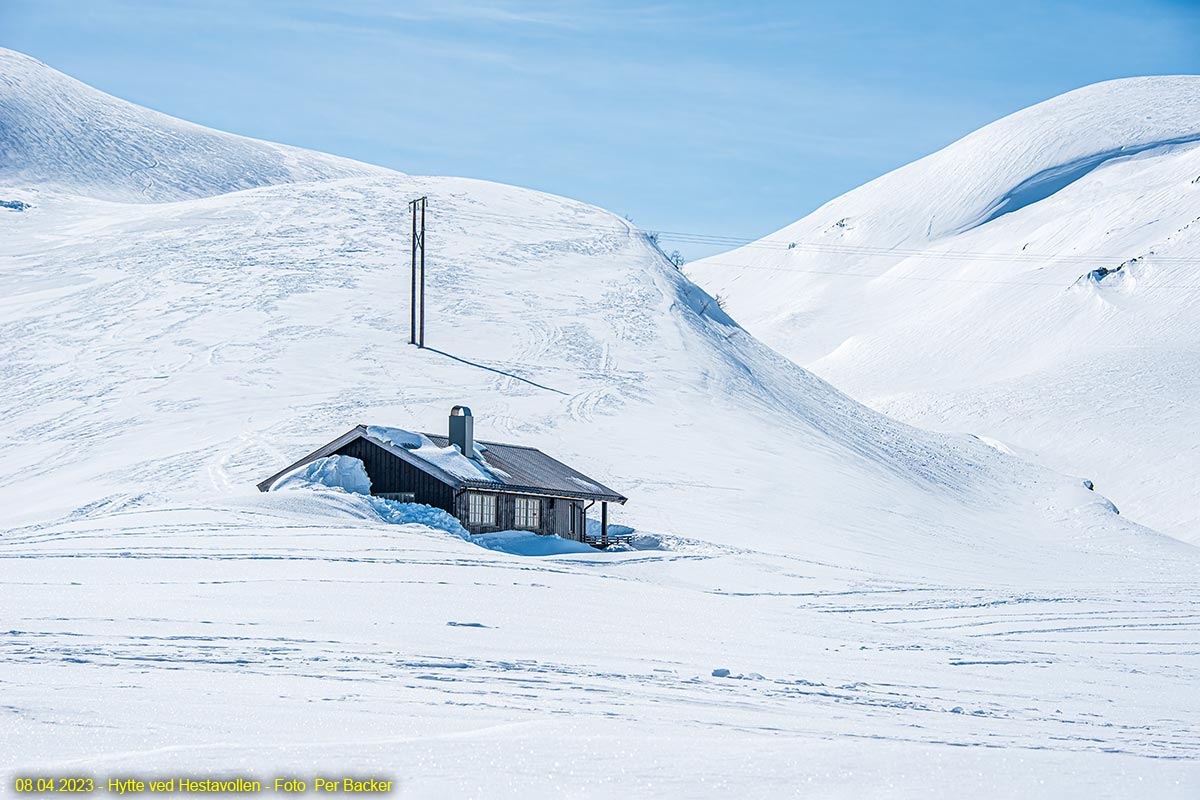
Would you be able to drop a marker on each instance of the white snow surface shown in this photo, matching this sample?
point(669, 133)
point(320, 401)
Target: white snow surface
point(335, 472)
point(901, 613)
point(59, 134)
point(968, 291)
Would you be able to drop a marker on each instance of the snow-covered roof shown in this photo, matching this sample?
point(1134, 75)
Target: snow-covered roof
point(496, 466)
point(441, 454)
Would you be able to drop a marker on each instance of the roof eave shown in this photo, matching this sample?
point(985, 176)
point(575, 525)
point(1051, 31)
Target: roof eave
point(509, 488)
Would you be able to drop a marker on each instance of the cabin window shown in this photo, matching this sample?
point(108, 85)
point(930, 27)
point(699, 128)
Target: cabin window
point(399, 497)
point(529, 513)
point(481, 509)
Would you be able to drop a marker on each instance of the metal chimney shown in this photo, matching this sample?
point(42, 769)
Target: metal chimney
point(462, 430)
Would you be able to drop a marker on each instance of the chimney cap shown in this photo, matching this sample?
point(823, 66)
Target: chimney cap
point(460, 411)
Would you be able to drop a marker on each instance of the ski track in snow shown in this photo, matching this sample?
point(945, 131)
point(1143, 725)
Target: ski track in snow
point(935, 653)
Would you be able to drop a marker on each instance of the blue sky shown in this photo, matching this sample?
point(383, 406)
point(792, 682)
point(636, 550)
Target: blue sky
point(720, 118)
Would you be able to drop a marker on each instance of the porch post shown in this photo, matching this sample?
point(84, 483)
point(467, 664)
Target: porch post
point(604, 524)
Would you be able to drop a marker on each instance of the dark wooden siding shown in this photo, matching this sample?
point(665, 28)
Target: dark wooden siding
point(462, 511)
point(555, 517)
point(506, 513)
point(390, 474)
point(569, 519)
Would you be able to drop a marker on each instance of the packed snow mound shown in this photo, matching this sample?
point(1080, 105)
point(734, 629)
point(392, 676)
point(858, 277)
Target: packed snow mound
point(396, 513)
point(1034, 282)
point(60, 133)
point(526, 543)
point(334, 472)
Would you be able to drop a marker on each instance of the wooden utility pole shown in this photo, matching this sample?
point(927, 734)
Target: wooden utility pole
point(417, 326)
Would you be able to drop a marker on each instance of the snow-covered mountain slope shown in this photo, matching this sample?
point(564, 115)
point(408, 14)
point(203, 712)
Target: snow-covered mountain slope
point(57, 132)
point(1035, 282)
point(831, 588)
point(160, 352)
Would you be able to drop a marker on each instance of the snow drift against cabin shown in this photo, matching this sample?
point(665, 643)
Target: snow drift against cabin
point(333, 472)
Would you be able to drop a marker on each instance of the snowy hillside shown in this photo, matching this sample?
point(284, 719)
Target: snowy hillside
point(189, 350)
point(824, 596)
point(57, 132)
point(1035, 282)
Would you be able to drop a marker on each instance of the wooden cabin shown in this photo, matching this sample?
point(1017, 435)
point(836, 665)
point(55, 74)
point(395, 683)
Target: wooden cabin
point(488, 486)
